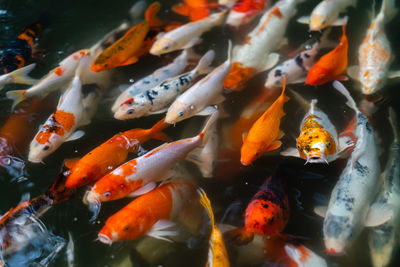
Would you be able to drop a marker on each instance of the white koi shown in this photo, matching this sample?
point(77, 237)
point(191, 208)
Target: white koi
point(383, 239)
point(375, 53)
point(19, 76)
point(349, 209)
point(304, 257)
point(157, 100)
point(173, 69)
point(54, 80)
point(198, 98)
point(326, 14)
point(186, 35)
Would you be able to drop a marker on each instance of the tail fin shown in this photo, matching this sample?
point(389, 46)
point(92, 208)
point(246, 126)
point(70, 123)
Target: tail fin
point(137, 9)
point(394, 123)
point(203, 67)
point(285, 98)
point(58, 191)
point(211, 120)
point(205, 202)
point(229, 51)
point(151, 15)
point(21, 75)
point(156, 131)
point(388, 10)
point(17, 96)
point(350, 101)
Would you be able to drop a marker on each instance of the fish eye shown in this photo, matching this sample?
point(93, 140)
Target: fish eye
point(323, 21)
point(329, 144)
point(106, 65)
point(46, 147)
point(180, 113)
point(130, 111)
point(165, 47)
point(277, 82)
point(107, 194)
point(191, 107)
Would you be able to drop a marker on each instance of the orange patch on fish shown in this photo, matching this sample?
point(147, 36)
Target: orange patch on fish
point(238, 76)
point(275, 12)
point(65, 119)
point(59, 71)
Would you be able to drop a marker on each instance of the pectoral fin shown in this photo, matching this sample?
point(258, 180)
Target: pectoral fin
point(275, 145)
point(76, 135)
point(272, 59)
point(129, 61)
point(291, 152)
point(378, 214)
point(340, 21)
point(159, 111)
point(353, 72)
point(206, 111)
point(193, 42)
point(320, 210)
point(304, 20)
point(393, 74)
point(143, 190)
point(162, 230)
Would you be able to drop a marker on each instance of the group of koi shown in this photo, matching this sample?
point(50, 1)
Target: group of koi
point(165, 194)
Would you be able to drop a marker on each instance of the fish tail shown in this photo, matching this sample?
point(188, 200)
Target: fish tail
point(21, 75)
point(388, 10)
point(205, 202)
point(211, 120)
point(156, 131)
point(58, 192)
point(350, 101)
point(17, 96)
point(285, 98)
point(136, 10)
point(151, 15)
point(394, 123)
point(203, 67)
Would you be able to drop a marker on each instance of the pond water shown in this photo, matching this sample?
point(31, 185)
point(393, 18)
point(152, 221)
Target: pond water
point(79, 24)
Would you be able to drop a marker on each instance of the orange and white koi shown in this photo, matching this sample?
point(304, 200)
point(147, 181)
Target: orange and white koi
point(264, 135)
point(255, 55)
point(141, 173)
point(198, 98)
point(304, 257)
point(194, 9)
point(326, 14)
point(375, 53)
point(267, 213)
point(150, 214)
point(55, 79)
point(127, 49)
point(111, 154)
point(331, 66)
point(19, 76)
point(186, 35)
point(61, 125)
point(217, 254)
point(318, 141)
point(244, 11)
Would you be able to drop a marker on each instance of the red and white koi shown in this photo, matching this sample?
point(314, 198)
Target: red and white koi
point(375, 53)
point(171, 70)
point(244, 11)
point(326, 14)
point(140, 173)
point(157, 99)
point(19, 76)
point(198, 98)
point(383, 241)
point(255, 53)
point(55, 79)
point(304, 257)
point(350, 206)
point(186, 35)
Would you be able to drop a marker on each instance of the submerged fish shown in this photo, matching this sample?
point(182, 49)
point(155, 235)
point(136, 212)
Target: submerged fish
point(244, 11)
point(194, 9)
point(19, 76)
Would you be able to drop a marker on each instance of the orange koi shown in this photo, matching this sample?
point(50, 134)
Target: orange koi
point(149, 214)
point(131, 46)
point(267, 213)
point(264, 135)
point(194, 9)
point(330, 66)
point(238, 76)
point(111, 154)
point(245, 11)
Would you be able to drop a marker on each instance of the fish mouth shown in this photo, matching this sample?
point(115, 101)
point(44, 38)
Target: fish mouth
point(316, 158)
point(334, 247)
point(104, 239)
point(34, 160)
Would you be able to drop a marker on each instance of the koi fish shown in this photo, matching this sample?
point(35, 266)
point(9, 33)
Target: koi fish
point(375, 53)
point(304, 257)
point(55, 79)
point(157, 99)
point(254, 54)
point(139, 175)
point(127, 49)
point(186, 35)
point(194, 9)
point(173, 69)
point(111, 154)
point(19, 51)
point(318, 141)
point(264, 135)
point(61, 125)
point(198, 98)
point(330, 66)
point(19, 76)
point(244, 11)
point(217, 254)
point(326, 14)
point(383, 241)
point(149, 214)
point(350, 208)
point(267, 213)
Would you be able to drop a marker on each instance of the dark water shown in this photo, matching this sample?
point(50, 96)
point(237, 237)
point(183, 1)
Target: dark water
point(79, 24)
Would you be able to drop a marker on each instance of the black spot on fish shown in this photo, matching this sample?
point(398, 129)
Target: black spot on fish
point(149, 96)
point(362, 170)
point(299, 61)
point(278, 73)
point(153, 92)
point(335, 226)
point(146, 81)
point(306, 55)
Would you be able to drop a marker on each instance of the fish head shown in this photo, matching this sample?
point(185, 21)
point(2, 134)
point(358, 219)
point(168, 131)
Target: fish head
point(249, 152)
point(371, 81)
point(315, 145)
point(130, 110)
point(274, 79)
point(163, 45)
point(43, 145)
point(317, 76)
point(338, 234)
point(318, 22)
point(107, 235)
point(82, 173)
point(179, 111)
point(238, 76)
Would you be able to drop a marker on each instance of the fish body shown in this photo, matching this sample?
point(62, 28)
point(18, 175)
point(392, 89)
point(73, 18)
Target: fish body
point(55, 79)
point(158, 99)
point(111, 154)
point(173, 69)
point(148, 213)
point(186, 35)
point(19, 76)
point(198, 98)
point(254, 54)
point(330, 66)
point(375, 53)
point(326, 14)
point(349, 208)
point(304, 257)
point(153, 166)
point(267, 213)
point(244, 11)
point(383, 239)
point(194, 9)
point(264, 134)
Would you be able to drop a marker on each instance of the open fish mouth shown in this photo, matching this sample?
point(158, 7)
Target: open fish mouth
point(104, 239)
point(316, 158)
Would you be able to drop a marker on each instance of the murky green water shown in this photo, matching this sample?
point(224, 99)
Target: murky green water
point(79, 24)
